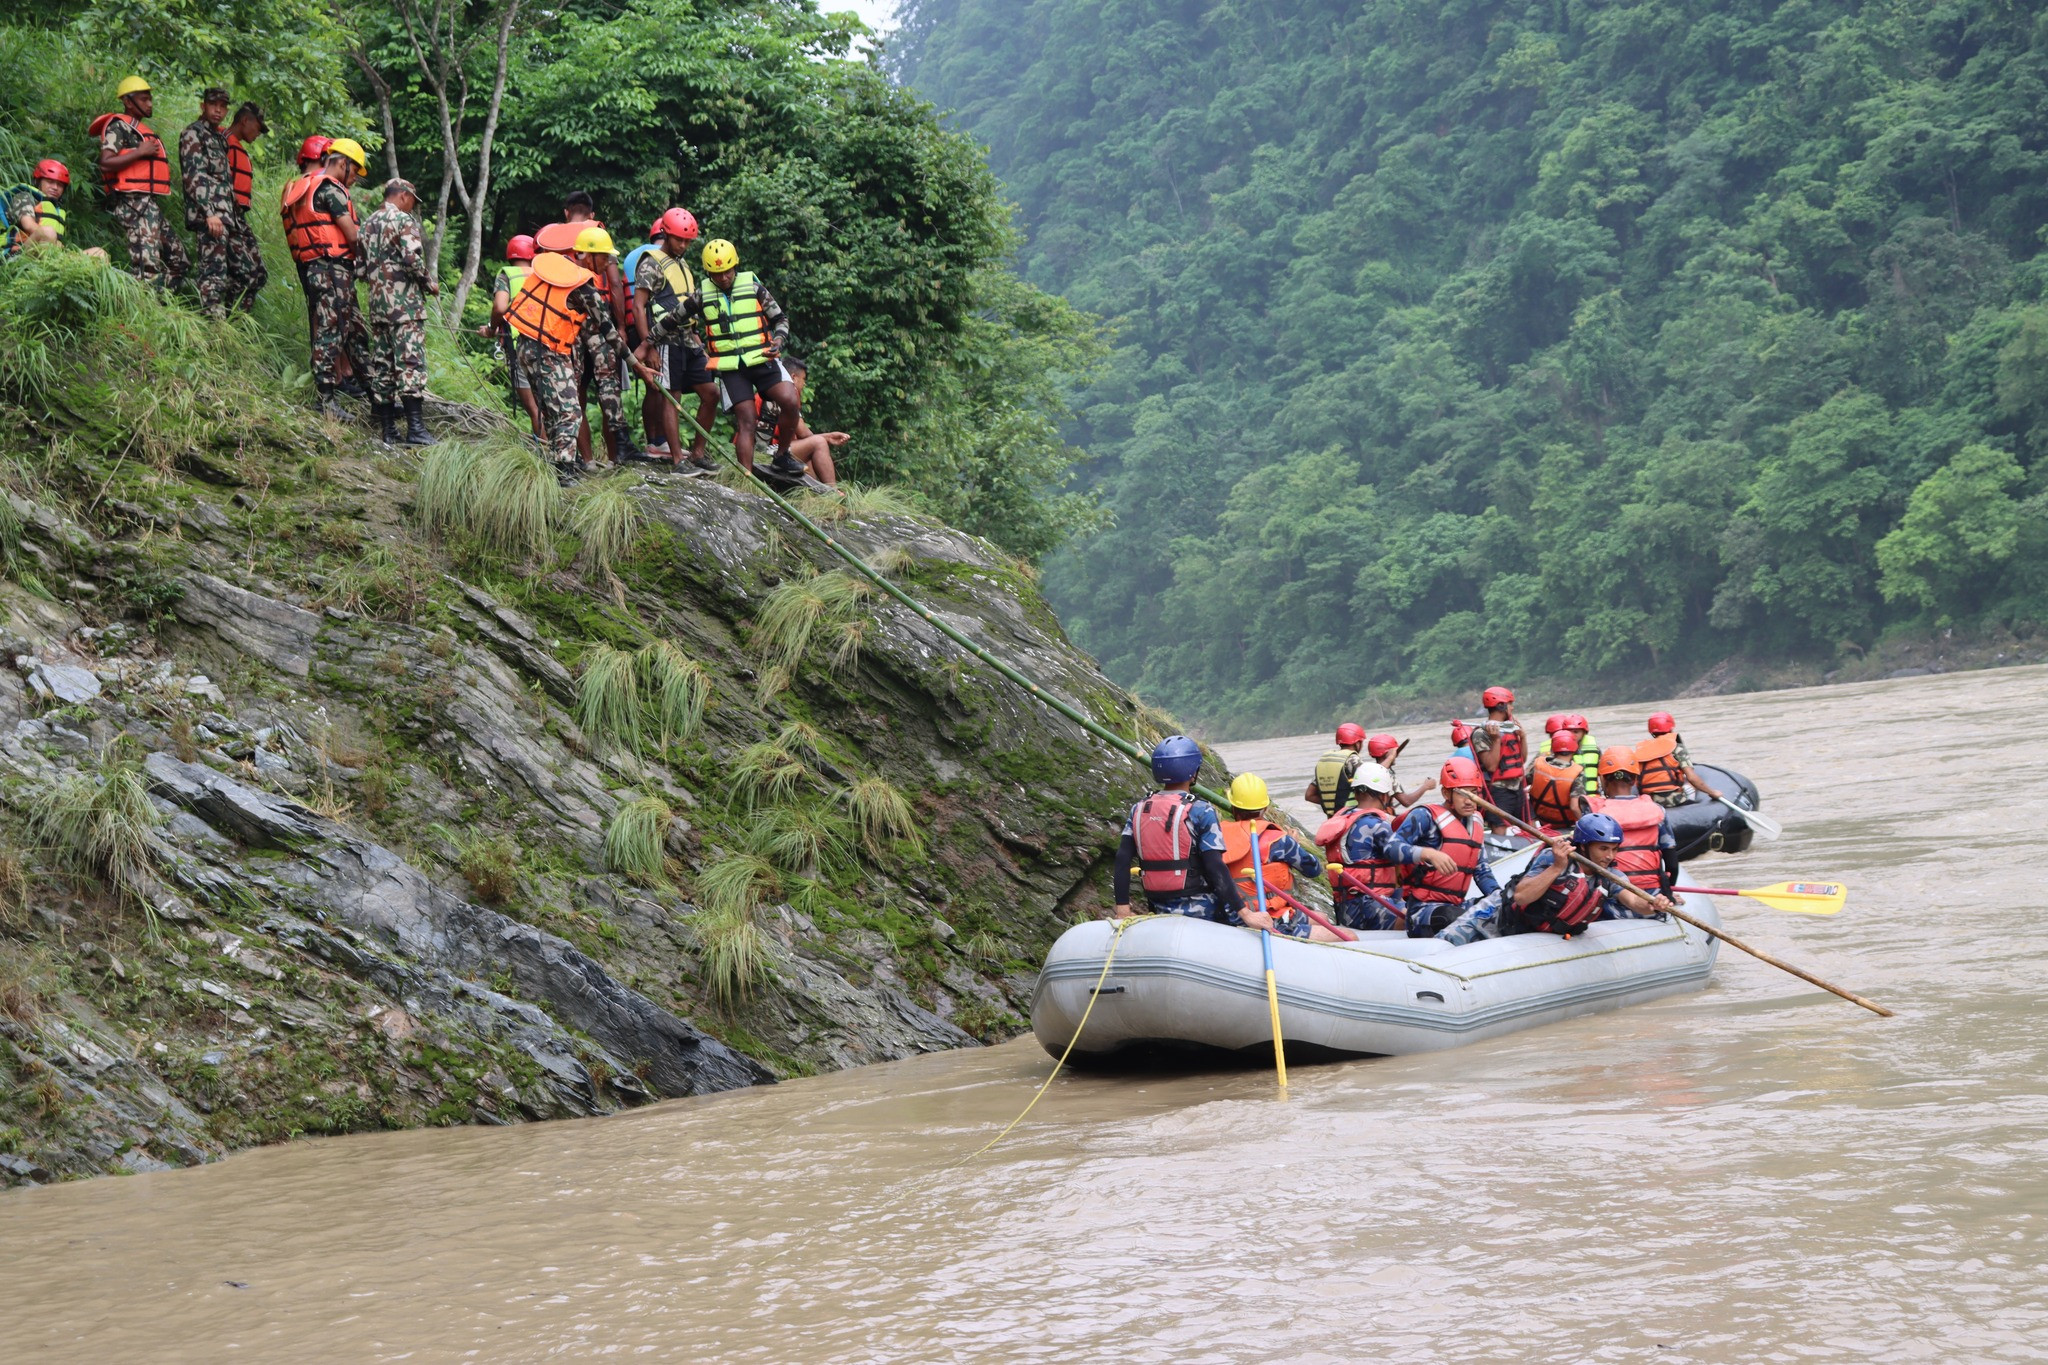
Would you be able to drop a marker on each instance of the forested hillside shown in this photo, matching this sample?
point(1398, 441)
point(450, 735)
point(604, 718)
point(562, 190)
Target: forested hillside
point(1463, 342)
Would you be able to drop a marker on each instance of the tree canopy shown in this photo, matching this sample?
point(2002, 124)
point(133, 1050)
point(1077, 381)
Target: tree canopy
point(1459, 343)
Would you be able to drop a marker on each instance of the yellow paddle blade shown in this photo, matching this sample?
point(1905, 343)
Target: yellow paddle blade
point(1806, 898)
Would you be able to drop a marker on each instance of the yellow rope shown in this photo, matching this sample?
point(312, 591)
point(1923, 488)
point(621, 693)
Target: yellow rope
point(1093, 996)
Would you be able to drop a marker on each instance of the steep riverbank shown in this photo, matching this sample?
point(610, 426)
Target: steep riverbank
point(318, 821)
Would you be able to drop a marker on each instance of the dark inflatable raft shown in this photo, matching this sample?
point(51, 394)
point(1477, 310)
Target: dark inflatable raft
point(1700, 826)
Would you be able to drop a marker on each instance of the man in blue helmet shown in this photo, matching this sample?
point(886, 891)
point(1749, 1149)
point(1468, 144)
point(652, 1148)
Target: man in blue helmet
point(1176, 840)
point(1553, 895)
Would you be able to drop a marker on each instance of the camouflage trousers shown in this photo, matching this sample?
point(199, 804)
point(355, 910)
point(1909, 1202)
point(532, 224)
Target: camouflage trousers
point(398, 361)
point(229, 272)
point(156, 254)
point(554, 379)
point(333, 319)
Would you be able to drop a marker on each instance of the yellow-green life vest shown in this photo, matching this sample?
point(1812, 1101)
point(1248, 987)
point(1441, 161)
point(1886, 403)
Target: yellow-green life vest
point(1330, 777)
point(515, 278)
point(735, 324)
point(677, 283)
point(47, 210)
point(1588, 759)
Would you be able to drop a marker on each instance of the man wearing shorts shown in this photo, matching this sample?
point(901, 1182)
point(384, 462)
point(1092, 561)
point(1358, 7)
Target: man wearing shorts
point(663, 282)
point(745, 330)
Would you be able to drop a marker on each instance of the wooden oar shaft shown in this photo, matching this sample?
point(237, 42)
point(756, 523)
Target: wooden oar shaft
point(1759, 954)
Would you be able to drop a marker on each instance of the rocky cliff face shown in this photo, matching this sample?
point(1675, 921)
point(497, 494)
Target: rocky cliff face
point(315, 823)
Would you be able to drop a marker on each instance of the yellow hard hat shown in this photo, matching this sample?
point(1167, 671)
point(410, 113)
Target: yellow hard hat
point(353, 150)
point(131, 85)
point(1248, 792)
point(596, 240)
point(719, 255)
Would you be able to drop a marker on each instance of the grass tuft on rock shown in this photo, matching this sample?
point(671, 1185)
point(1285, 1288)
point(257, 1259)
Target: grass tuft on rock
point(489, 863)
point(497, 490)
point(797, 610)
point(766, 773)
point(103, 825)
point(803, 839)
point(727, 925)
point(633, 842)
point(605, 517)
point(677, 688)
point(608, 698)
point(881, 814)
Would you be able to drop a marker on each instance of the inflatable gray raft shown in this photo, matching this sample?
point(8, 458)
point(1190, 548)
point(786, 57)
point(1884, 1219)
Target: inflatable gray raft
point(1180, 984)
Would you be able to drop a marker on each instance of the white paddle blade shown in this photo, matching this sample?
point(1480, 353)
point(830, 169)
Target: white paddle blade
point(1763, 824)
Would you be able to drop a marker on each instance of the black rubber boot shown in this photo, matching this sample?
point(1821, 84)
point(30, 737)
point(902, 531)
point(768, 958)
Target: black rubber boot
point(415, 428)
point(330, 408)
point(387, 415)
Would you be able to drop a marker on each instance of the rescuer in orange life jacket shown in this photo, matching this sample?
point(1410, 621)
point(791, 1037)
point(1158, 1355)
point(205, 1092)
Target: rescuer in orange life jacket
point(1280, 857)
point(1177, 842)
point(1556, 783)
point(1503, 753)
point(1667, 767)
point(1553, 895)
point(1648, 855)
point(1436, 897)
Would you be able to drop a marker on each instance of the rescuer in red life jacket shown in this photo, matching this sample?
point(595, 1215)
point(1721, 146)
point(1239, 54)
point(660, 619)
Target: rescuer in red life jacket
point(1667, 767)
point(1554, 896)
point(1368, 859)
point(1434, 897)
point(1649, 854)
point(1503, 753)
point(1281, 856)
point(1177, 842)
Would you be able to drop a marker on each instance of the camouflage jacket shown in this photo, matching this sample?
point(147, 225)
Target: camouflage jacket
point(395, 265)
point(209, 180)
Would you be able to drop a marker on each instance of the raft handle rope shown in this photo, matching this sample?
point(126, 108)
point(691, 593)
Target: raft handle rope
point(1094, 994)
point(867, 571)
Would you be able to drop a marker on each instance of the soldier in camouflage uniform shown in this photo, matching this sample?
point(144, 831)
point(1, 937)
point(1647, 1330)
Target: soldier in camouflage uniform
point(395, 265)
point(554, 374)
point(209, 197)
point(317, 205)
point(246, 275)
point(136, 173)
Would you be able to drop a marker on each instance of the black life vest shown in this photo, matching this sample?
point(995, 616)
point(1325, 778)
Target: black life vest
point(1572, 902)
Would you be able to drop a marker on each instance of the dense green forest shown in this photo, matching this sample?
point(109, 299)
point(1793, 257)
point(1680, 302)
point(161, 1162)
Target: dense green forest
point(882, 232)
point(1463, 342)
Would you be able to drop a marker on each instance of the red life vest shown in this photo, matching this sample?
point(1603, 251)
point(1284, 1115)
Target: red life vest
point(1166, 845)
point(1514, 754)
point(1570, 904)
point(1383, 877)
point(1641, 821)
point(1237, 859)
point(1464, 840)
point(244, 169)
point(148, 175)
point(311, 233)
point(1661, 774)
point(1551, 785)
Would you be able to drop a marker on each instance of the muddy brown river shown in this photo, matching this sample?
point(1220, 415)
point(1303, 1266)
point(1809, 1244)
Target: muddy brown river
point(1757, 1172)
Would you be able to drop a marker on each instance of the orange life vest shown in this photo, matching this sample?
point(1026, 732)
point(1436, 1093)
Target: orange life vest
point(1641, 819)
point(541, 308)
point(244, 169)
point(1464, 841)
point(1661, 774)
point(1551, 784)
point(149, 175)
point(1237, 858)
point(312, 234)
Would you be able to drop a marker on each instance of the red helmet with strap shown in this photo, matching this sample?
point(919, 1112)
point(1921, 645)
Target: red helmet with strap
point(1575, 721)
point(1552, 724)
point(1497, 696)
point(1663, 723)
point(520, 248)
point(1350, 733)
point(49, 168)
point(1564, 742)
point(680, 223)
point(1379, 746)
point(313, 148)
point(1461, 772)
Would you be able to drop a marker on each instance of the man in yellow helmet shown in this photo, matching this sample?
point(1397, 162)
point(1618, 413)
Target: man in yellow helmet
point(320, 229)
point(1280, 857)
point(745, 330)
point(603, 342)
point(136, 175)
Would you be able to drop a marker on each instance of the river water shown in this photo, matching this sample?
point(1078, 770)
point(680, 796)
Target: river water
point(1757, 1172)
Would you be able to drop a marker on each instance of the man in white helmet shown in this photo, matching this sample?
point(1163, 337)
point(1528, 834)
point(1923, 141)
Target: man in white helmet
point(1368, 860)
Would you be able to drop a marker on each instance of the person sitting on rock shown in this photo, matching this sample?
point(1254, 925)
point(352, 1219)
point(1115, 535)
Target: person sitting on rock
point(1176, 841)
point(808, 460)
point(1554, 896)
point(1280, 857)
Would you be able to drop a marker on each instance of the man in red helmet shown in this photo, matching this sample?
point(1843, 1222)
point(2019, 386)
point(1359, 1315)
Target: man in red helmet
point(1503, 753)
point(661, 283)
point(35, 211)
point(1385, 750)
point(1330, 788)
point(313, 151)
point(1436, 897)
point(1666, 766)
point(519, 254)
